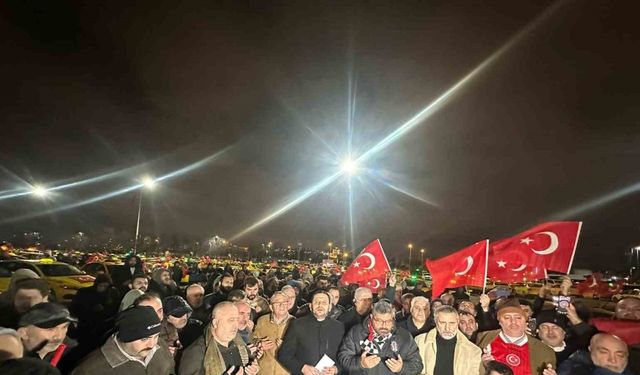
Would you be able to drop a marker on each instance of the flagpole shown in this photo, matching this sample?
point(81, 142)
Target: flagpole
point(486, 267)
point(575, 246)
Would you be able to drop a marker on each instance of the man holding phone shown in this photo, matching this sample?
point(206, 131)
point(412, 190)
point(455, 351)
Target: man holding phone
point(377, 346)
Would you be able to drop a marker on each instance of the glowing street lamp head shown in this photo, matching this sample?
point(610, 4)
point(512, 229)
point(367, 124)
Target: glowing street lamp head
point(148, 182)
point(349, 166)
point(39, 191)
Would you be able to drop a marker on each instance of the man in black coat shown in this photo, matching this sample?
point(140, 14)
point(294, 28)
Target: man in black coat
point(607, 355)
point(96, 308)
point(378, 347)
point(123, 274)
point(219, 295)
point(362, 299)
point(310, 338)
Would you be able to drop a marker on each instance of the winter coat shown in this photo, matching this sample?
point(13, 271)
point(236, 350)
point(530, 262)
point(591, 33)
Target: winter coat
point(307, 340)
point(109, 360)
point(351, 350)
point(539, 353)
point(466, 358)
point(579, 363)
point(268, 328)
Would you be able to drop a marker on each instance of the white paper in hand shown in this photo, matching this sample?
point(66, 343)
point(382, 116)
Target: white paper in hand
point(324, 362)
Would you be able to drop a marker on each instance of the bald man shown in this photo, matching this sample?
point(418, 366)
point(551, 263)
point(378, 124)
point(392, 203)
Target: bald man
point(220, 349)
point(628, 309)
point(607, 354)
point(11, 345)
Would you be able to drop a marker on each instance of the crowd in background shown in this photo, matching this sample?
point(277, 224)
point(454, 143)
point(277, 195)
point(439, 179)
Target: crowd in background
point(229, 320)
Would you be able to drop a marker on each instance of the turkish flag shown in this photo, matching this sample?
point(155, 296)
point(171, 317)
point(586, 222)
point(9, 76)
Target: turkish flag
point(514, 265)
point(375, 284)
point(464, 267)
point(371, 264)
point(527, 256)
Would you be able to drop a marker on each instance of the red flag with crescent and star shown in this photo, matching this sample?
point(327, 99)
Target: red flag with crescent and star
point(369, 269)
point(528, 255)
point(464, 267)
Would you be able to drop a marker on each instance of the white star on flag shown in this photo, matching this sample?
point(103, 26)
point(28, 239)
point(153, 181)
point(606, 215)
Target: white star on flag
point(356, 264)
point(501, 264)
point(526, 241)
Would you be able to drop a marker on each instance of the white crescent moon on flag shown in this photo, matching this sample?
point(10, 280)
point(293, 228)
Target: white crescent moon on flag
point(377, 284)
point(518, 269)
point(370, 256)
point(469, 264)
point(553, 246)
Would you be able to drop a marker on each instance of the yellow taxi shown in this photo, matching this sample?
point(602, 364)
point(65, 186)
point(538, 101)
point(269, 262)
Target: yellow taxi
point(64, 279)
point(109, 268)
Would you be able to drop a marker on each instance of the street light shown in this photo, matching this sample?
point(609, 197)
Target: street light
point(349, 166)
point(422, 258)
point(149, 184)
point(39, 191)
point(410, 246)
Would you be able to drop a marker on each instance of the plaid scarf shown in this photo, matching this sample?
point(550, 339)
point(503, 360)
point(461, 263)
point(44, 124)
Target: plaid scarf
point(374, 342)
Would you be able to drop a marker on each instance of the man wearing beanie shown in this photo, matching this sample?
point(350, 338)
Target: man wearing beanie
point(552, 330)
point(133, 349)
point(510, 344)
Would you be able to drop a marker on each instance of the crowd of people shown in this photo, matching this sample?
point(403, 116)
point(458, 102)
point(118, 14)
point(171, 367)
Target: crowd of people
point(235, 321)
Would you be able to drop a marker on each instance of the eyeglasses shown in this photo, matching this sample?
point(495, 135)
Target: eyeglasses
point(279, 304)
point(384, 322)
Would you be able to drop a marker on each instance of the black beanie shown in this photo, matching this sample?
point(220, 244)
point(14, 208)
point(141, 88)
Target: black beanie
point(551, 316)
point(175, 306)
point(137, 323)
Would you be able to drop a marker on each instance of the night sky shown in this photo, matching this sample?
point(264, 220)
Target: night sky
point(548, 129)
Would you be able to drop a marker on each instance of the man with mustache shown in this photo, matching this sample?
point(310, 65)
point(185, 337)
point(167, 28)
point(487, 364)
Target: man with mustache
point(195, 297)
point(251, 290)
point(511, 344)
point(552, 330)
point(43, 331)
point(378, 347)
point(468, 325)
point(270, 329)
point(447, 351)
point(132, 350)
point(418, 321)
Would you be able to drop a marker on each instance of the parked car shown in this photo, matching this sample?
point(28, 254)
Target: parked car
point(64, 279)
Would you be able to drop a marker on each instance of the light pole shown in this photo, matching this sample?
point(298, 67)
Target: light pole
point(422, 258)
point(147, 183)
point(410, 246)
